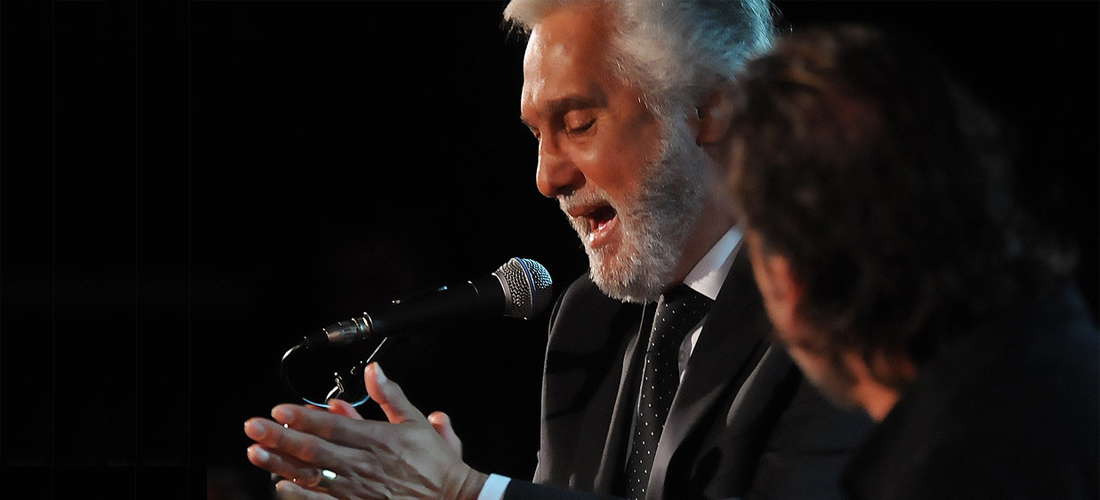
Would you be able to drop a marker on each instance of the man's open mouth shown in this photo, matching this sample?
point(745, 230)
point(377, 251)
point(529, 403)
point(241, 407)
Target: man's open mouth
point(599, 217)
point(595, 221)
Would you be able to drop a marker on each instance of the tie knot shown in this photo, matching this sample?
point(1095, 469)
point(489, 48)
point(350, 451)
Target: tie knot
point(678, 310)
point(683, 297)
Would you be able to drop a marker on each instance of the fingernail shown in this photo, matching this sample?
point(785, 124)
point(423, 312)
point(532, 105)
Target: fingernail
point(254, 430)
point(259, 454)
point(379, 374)
point(338, 404)
point(281, 415)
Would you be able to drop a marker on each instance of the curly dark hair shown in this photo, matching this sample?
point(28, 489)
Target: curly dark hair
point(886, 186)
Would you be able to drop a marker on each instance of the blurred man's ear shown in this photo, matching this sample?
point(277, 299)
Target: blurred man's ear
point(876, 384)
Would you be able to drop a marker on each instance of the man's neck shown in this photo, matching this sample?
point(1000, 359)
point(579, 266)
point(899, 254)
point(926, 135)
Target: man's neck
point(714, 222)
point(705, 265)
point(710, 272)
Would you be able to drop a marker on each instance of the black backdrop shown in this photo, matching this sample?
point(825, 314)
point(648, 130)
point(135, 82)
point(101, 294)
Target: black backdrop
point(189, 188)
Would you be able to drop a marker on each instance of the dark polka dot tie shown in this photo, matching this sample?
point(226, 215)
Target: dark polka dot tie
point(678, 311)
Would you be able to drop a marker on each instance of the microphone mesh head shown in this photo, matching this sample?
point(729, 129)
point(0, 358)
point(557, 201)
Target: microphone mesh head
point(528, 288)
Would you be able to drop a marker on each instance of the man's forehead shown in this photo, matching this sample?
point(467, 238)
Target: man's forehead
point(561, 71)
point(574, 34)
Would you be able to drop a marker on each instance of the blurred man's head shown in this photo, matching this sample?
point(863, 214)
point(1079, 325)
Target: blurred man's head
point(876, 206)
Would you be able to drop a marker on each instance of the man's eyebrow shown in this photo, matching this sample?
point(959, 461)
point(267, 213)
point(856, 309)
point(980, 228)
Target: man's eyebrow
point(558, 107)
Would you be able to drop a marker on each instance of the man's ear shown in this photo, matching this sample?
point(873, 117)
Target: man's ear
point(877, 382)
point(713, 115)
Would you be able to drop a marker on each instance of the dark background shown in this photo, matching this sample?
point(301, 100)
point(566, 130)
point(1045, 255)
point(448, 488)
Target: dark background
point(188, 188)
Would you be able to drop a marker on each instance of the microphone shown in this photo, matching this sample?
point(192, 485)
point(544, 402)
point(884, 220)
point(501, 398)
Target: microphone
point(520, 288)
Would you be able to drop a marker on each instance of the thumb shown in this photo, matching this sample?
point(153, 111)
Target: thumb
point(389, 396)
point(442, 425)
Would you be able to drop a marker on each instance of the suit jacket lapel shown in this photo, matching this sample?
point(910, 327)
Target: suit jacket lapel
point(726, 352)
point(588, 390)
point(613, 462)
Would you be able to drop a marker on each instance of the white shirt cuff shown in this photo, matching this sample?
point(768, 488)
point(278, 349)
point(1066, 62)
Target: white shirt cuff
point(493, 489)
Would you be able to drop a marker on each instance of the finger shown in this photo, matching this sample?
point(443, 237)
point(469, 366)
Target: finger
point(441, 422)
point(389, 396)
point(305, 445)
point(335, 437)
point(344, 408)
point(288, 490)
point(283, 466)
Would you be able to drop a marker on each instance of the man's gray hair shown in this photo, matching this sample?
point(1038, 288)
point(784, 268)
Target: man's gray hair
point(673, 51)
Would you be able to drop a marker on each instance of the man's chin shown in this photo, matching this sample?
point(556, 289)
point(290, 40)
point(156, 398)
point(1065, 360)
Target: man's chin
point(623, 278)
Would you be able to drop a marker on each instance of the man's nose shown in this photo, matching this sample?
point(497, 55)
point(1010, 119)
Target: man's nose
point(557, 174)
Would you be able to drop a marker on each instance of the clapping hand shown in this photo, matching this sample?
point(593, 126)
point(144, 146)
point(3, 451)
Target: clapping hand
point(338, 454)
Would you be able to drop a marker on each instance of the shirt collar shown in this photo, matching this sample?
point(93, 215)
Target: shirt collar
point(710, 272)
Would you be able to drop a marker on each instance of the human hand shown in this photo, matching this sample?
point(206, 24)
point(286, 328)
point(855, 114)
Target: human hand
point(407, 457)
point(440, 421)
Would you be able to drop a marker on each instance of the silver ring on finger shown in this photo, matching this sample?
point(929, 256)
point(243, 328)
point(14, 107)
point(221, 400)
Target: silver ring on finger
point(327, 478)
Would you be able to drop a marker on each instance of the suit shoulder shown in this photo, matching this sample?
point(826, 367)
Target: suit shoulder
point(583, 313)
point(584, 287)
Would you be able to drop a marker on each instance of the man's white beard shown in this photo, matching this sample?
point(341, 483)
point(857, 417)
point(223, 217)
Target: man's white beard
point(654, 222)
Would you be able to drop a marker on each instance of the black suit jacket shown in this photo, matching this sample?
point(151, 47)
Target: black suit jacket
point(1009, 411)
point(744, 422)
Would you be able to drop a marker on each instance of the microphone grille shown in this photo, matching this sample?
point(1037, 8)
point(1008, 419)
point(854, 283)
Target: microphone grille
point(528, 288)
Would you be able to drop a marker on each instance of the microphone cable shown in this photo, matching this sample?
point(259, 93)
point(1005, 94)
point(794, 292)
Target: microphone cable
point(338, 390)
